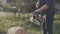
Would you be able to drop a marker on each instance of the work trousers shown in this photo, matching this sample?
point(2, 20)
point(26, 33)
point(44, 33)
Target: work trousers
point(48, 23)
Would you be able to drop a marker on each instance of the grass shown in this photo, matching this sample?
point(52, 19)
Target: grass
point(7, 22)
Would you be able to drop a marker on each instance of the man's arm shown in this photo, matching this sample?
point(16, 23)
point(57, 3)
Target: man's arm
point(46, 6)
point(37, 4)
point(43, 8)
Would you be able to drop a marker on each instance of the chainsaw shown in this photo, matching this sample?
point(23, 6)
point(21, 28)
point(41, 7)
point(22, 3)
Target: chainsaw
point(36, 18)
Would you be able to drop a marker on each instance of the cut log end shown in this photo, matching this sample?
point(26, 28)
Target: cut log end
point(16, 30)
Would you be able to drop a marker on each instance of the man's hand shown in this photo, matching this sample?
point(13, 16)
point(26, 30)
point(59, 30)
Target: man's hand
point(31, 19)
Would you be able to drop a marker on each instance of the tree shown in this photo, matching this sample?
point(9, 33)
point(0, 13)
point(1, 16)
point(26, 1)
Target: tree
point(24, 5)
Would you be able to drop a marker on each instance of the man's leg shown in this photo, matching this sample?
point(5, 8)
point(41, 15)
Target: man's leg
point(44, 25)
point(44, 29)
point(49, 23)
point(49, 29)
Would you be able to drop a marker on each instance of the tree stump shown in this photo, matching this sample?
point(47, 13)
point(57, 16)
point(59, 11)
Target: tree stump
point(16, 30)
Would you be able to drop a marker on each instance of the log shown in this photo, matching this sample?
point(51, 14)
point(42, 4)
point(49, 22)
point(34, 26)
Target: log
point(16, 30)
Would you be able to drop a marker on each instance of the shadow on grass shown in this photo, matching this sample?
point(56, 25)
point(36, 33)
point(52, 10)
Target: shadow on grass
point(33, 26)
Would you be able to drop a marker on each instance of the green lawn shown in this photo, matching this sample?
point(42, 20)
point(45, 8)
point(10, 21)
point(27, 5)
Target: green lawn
point(7, 22)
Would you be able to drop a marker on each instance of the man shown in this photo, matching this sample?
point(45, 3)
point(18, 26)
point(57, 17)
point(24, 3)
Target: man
point(47, 7)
